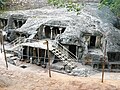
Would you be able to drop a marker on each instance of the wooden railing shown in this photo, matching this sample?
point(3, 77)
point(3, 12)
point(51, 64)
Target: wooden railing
point(65, 51)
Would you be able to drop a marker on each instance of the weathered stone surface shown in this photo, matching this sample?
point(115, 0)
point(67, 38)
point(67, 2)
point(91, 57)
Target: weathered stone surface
point(83, 72)
point(57, 67)
point(91, 21)
point(26, 4)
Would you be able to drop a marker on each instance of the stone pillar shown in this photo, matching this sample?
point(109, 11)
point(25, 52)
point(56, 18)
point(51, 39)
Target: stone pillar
point(40, 32)
point(51, 36)
point(86, 47)
point(109, 67)
point(22, 53)
point(43, 31)
point(22, 21)
point(38, 55)
point(1, 25)
point(13, 24)
point(32, 60)
point(31, 54)
point(28, 52)
point(60, 29)
point(77, 52)
point(45, 56)
point(98, 42)
point(18, 24)
point(34, 52)
point(3, 22)
point(88, 40)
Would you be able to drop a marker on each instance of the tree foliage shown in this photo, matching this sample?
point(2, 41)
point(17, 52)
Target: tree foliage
point(69, 4)
point(113, 4)
point(3, 5)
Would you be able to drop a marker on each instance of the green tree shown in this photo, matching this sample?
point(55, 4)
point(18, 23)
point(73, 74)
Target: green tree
point(113, 4)
point(2, 5)
point(69, 4)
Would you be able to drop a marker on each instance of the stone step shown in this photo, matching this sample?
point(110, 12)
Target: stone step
point(64, 59)
point(61, 56)
point(58, 53)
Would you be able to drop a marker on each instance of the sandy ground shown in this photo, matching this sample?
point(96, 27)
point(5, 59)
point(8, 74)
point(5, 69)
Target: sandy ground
point(36, 78)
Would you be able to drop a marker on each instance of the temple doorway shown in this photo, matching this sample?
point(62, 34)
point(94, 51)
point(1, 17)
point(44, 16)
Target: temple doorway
point(92, 41)
point(72, 49)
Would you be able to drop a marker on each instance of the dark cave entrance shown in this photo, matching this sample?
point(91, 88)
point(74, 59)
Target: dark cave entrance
point(47, 32)
point(92, 41)
point(113, 56)
point(72, 48)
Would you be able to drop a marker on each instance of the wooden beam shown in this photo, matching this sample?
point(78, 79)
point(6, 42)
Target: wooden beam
point(48, 57)
point(103, 65)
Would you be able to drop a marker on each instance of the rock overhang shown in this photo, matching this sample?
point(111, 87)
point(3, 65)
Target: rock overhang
point(90, 20)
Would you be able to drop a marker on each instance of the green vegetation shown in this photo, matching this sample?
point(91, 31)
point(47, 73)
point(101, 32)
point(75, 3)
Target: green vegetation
point(71, 6)
point(113, 4)
point(3, 5)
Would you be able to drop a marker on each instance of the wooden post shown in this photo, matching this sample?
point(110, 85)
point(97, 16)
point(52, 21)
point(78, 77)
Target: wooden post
point(1, 38)
point(4, 52)
point(103, 66)
point(1, 43)
point(48, 58)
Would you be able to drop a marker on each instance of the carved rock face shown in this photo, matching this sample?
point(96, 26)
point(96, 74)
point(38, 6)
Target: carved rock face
point(91, 22)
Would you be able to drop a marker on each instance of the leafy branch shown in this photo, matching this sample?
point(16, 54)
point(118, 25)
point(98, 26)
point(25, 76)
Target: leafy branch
point(3, 5)
point(113, 4)
point(71, 6)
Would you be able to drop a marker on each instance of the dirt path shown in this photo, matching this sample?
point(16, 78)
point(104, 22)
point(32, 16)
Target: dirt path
point(36, 78)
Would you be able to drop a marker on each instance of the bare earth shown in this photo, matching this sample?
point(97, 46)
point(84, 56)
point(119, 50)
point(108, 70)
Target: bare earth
point(35, 78)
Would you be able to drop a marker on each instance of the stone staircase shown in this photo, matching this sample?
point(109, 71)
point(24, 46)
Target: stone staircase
point(62, 54)
point(56, 48)
point(14, 45)
point(59, 54)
